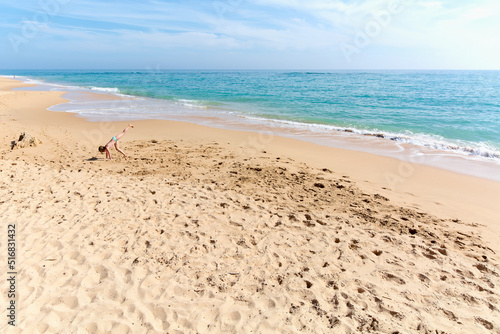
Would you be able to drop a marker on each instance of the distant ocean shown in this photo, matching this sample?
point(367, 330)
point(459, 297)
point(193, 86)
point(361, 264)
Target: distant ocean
point(453, 111)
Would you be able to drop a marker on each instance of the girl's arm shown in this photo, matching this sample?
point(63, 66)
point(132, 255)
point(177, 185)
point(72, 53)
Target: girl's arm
point(108, 154)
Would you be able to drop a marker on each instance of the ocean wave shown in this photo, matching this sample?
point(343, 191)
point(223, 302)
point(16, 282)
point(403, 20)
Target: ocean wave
point(480, 149)
point(51, 86)
point(66, 87)
point(477, 149)
point(106, 89)
point(191, 103)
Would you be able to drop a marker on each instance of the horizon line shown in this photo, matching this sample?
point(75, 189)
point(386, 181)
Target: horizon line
point(247, 69)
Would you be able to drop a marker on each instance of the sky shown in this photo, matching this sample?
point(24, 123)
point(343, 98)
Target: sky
point(250, 34)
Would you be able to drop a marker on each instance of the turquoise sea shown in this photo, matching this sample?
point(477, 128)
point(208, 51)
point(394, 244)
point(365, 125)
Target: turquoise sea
point(454, 111)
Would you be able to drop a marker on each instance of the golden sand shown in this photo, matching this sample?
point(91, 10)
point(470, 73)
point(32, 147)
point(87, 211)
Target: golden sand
point(203, 230)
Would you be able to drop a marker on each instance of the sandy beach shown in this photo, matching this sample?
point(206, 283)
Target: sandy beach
point(203, 230)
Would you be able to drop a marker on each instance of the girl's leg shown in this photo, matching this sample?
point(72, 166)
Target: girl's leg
point(121, 134)
point(118, 149)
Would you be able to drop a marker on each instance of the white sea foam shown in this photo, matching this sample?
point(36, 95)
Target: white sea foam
point(65, 87)
point(480, 149)
point(106, 89)
point(191, 103)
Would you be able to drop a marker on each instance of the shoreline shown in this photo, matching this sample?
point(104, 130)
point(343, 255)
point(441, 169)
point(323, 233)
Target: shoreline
point(392, 145)
point(209, 230)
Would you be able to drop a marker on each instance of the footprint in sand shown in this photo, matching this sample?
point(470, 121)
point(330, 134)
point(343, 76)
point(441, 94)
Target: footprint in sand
point(120, 328)
point(125, 275)
point(43, 327)
point(71, 302)
point(91, 327)
point(111, 294)
point(485, 323)
point(377, 252)
point(229, 321)
point(235, 316)
point(159, 313)
point(101, 256)
point(78, 257)
point(56, 244)
point(160, 318)
point(102, 271)
point(271, 304)
point(393, 278)
point(424, 278)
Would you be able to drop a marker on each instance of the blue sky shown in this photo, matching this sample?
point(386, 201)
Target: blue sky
point(250, 34)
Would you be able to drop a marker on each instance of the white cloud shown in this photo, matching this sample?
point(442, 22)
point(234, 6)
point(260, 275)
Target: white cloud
point(453, 32)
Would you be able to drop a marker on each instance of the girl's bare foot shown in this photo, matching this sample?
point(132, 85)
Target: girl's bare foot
point(131, 125)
